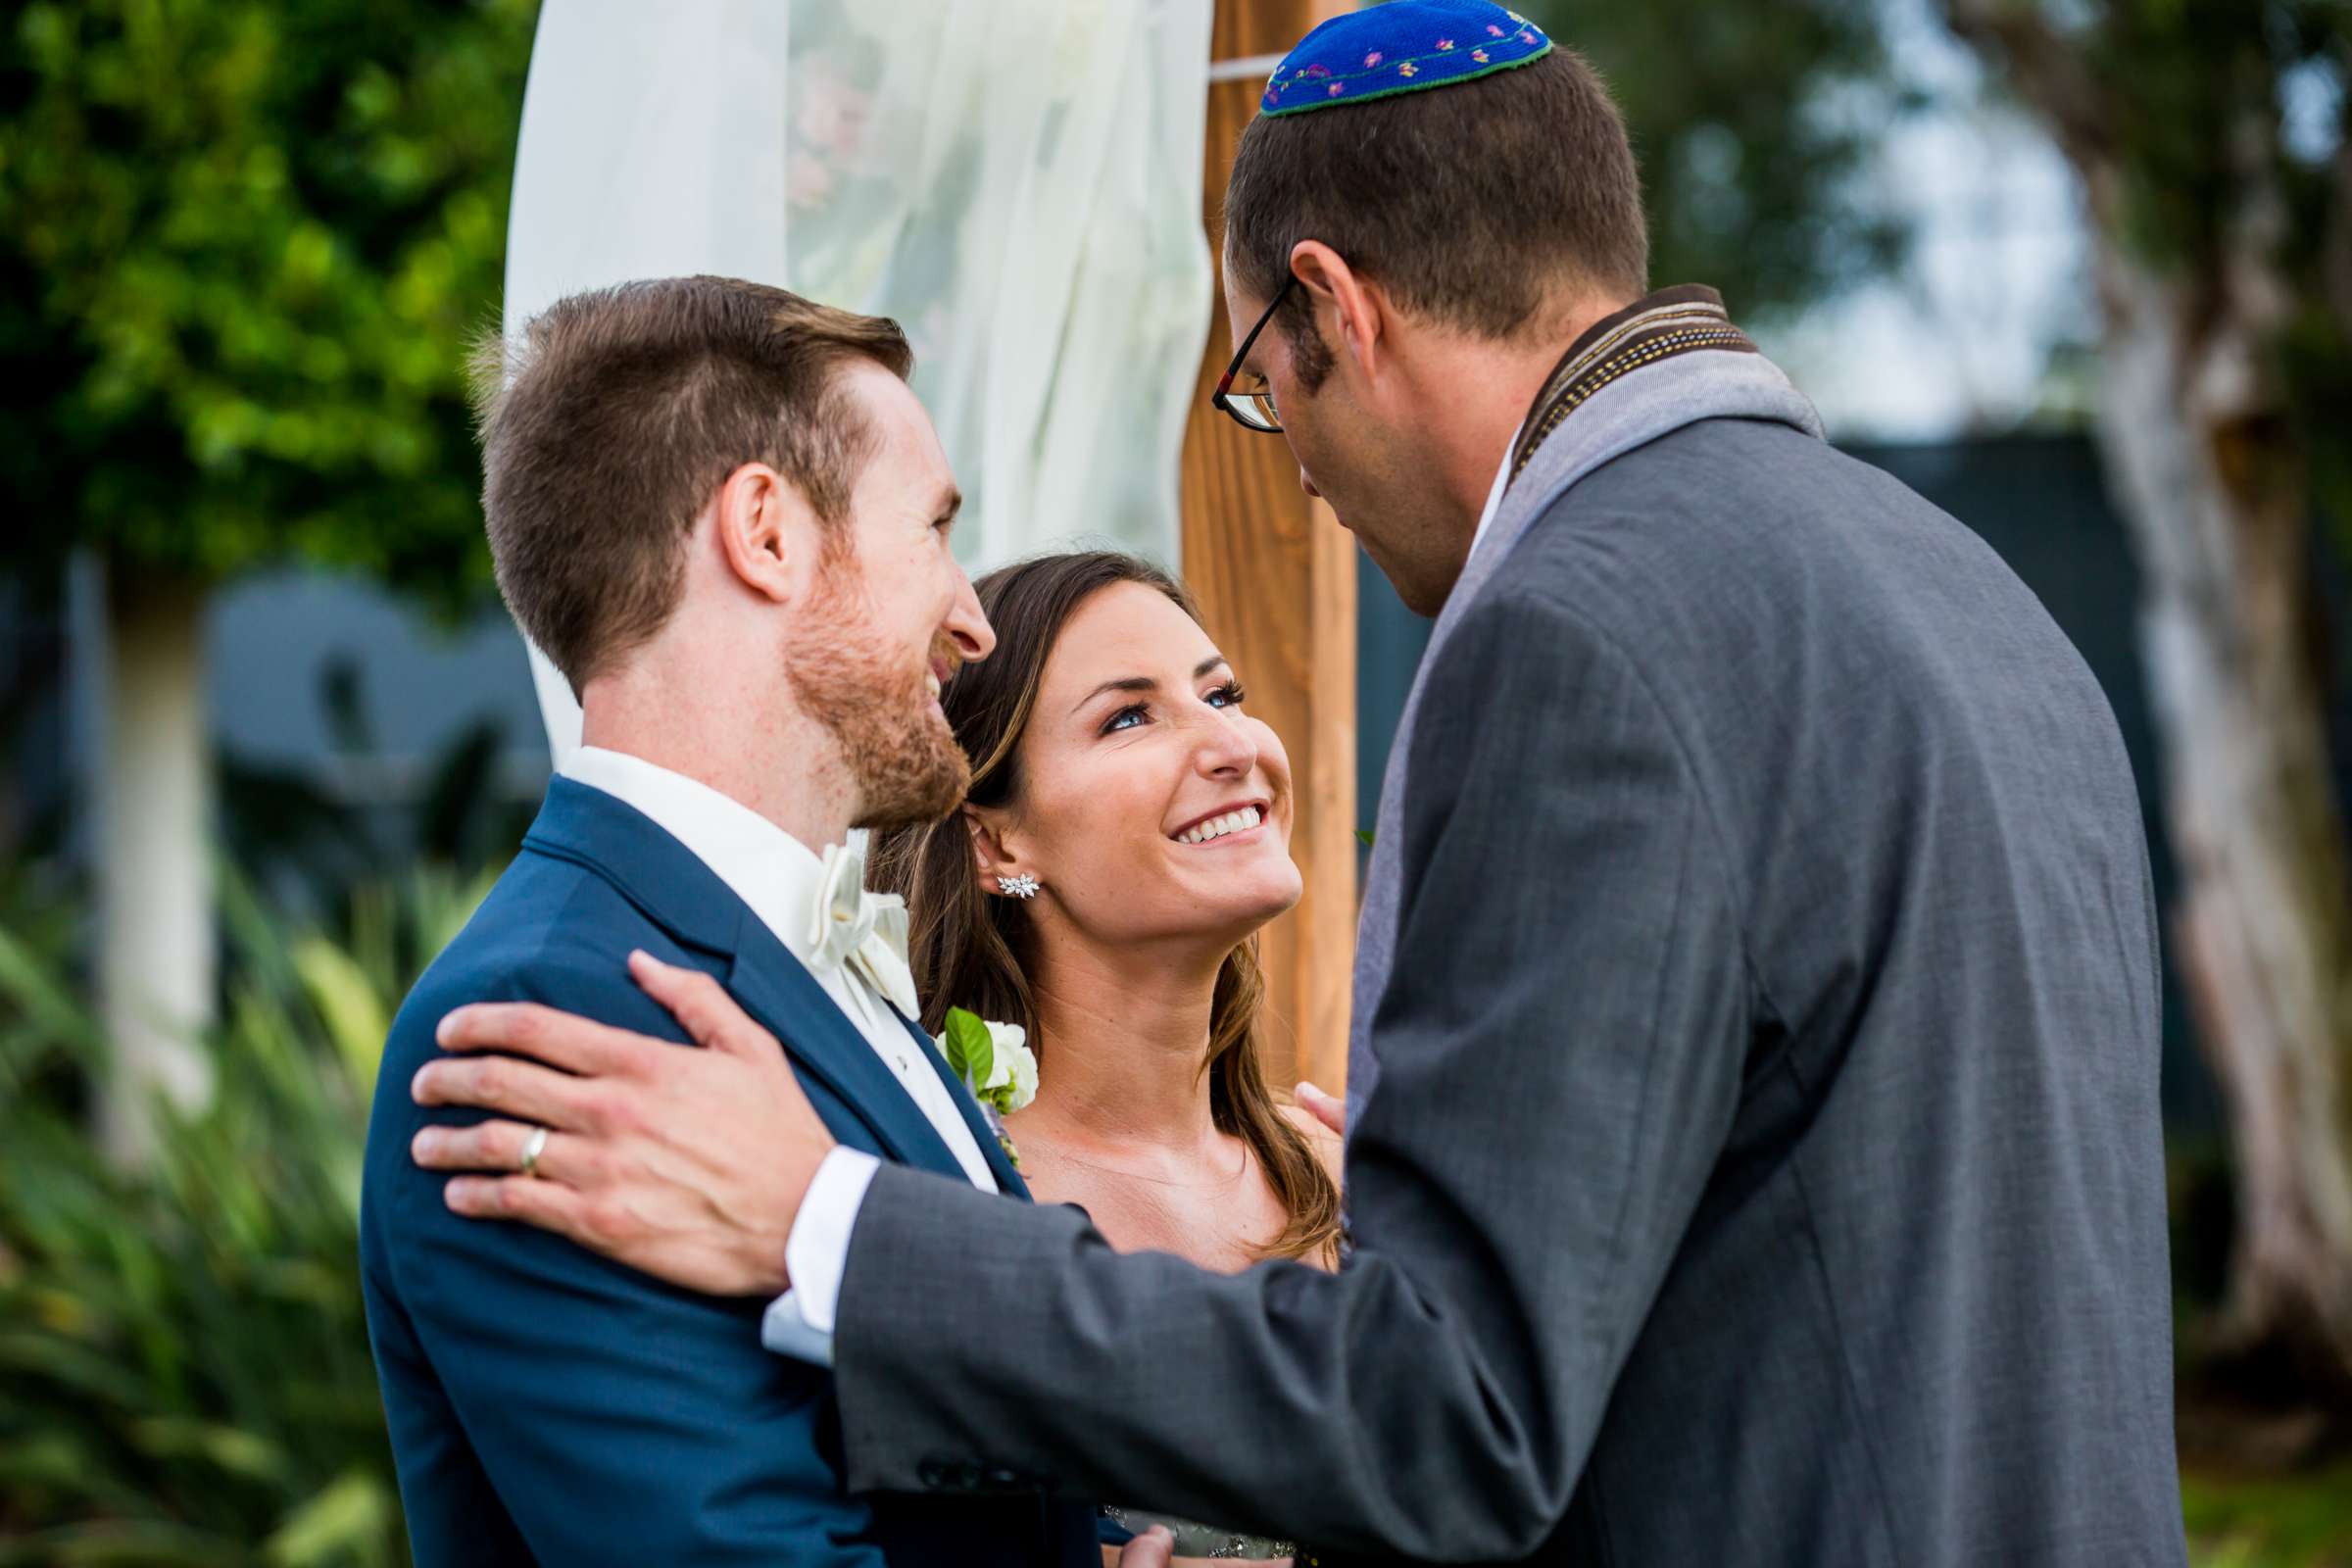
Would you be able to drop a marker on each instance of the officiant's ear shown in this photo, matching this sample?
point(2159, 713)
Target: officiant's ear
point(1000, 870)
point(767, 530)
point(1350, 310)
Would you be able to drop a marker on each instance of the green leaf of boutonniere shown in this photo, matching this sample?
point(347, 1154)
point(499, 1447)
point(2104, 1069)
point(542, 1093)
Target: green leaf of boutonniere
point(993, 1059)
point(971, 1054)
point(1363, 835)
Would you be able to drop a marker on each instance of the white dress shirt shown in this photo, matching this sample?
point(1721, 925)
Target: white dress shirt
point(1503, 482)
point(781, 880)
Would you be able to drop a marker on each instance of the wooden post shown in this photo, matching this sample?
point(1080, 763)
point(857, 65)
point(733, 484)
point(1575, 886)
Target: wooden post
point(1276, 577)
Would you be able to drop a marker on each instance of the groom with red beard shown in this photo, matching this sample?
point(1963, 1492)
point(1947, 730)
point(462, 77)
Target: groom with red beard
point(719, 511)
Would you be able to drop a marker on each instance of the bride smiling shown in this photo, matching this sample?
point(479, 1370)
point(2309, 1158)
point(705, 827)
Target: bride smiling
point(1118, 781)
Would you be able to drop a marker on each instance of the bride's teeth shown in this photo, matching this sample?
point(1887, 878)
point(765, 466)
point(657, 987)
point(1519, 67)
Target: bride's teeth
point(1216, 827)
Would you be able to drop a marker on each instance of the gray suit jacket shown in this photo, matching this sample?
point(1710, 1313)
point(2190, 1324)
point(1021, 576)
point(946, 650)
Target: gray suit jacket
point(1765, 1167)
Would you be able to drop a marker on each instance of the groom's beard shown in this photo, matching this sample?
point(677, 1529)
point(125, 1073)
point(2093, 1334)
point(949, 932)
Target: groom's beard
point(901, 756)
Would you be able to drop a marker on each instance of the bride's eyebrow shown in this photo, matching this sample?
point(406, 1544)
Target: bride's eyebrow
point(1145, 683)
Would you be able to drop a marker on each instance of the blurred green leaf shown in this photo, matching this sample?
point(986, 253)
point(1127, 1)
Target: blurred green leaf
point(223, 1446)
point(337, 1524)
point(356, 1014)
point(41, 999)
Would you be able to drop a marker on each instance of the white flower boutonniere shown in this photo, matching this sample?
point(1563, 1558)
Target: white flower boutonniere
point(996, 1064)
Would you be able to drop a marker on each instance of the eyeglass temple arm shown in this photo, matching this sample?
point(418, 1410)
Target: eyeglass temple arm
point(1225, 381)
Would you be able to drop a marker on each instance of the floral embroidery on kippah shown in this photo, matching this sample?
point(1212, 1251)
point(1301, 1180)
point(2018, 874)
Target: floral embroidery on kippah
point(1402, 46)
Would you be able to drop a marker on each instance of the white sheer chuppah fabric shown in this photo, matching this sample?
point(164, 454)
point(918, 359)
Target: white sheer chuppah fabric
point(1016, 181)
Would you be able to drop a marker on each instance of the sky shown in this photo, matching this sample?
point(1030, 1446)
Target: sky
point(1956, 341)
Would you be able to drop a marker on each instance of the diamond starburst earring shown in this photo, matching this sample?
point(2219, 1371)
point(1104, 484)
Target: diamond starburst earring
point(1023, 886)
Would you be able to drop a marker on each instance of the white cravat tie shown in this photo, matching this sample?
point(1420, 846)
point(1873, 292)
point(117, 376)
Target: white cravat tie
point(863, 932)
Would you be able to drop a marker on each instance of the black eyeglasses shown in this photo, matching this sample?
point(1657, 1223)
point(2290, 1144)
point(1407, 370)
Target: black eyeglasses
point(1252, 410)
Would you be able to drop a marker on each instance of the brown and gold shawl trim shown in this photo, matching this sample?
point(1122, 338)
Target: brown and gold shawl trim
point(1673, 321)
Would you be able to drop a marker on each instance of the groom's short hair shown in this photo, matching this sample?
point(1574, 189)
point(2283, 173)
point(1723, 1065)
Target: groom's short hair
point(1469, 202)
point(609, 421)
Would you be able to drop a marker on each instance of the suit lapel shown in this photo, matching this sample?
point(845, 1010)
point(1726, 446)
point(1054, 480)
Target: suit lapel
point(773, 986)
point(677, 892)
point(1008, 1177)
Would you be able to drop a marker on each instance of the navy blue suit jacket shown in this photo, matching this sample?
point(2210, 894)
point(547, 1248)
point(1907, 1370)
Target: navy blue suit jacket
point(547, 1405)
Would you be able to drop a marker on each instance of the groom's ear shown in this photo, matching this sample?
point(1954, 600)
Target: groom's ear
point(766, 531)
point(1350, 307)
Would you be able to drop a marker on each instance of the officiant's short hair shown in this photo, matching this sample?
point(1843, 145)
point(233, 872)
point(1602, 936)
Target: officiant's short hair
point(610, 420)
point(1468, 202)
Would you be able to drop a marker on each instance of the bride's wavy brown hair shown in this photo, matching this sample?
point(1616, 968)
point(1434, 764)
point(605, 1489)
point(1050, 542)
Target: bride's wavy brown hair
point(965, 945)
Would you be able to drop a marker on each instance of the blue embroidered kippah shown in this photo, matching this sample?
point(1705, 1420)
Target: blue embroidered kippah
point(1402, 46)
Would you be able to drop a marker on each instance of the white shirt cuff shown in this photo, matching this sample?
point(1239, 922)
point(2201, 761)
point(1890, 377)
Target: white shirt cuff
point(783, 1331)
point(817, 1250)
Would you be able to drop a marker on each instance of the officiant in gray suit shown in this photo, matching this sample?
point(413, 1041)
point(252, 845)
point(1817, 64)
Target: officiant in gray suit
point(1754, 1152)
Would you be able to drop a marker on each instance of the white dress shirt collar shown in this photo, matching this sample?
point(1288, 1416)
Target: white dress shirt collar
point(1502, 481)
point(766, 867)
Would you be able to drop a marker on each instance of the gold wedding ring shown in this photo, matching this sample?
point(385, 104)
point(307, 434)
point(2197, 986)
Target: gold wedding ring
point(532, 1148)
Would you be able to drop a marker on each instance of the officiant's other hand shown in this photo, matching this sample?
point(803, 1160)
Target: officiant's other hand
point(1156, 1548)
point(1153, 1548)
point(1329, 1110)
point(685, 1164)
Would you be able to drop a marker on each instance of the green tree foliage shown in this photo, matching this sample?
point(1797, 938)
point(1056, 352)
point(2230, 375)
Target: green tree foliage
point(242, 246)
point(1751, 122)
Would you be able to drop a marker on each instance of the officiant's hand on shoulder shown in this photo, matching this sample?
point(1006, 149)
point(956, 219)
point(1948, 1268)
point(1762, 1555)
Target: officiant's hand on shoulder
point(685, 1164)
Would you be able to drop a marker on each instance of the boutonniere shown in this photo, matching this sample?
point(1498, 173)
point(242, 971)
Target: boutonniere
point(996, 1064)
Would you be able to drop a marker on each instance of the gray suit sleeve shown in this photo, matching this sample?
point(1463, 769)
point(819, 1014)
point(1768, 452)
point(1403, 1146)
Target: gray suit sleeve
point(1561, 1051)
